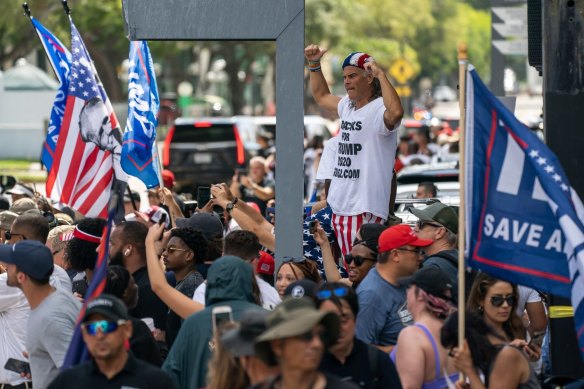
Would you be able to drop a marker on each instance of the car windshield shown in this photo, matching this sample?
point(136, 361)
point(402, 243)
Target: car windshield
point(203, 132)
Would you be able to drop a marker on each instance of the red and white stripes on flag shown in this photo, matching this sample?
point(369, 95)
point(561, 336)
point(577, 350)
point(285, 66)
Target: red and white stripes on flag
point(346, 228)
point(82, 173)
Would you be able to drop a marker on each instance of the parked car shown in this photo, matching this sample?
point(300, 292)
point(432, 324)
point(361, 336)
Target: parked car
point(205, 151)
point(437, 172)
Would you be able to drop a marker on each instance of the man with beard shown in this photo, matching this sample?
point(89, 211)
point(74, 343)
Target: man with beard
point(127, 249)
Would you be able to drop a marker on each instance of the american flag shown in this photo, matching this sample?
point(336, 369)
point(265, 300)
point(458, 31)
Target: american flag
point(525, 223)
point(60, 60)
point(310, 248)
point(89, 144)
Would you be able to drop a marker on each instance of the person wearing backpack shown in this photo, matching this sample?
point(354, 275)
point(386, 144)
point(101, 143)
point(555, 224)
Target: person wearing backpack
point(439, 223)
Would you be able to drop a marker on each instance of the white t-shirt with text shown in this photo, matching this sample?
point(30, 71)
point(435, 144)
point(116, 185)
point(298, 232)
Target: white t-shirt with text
point(364, 161)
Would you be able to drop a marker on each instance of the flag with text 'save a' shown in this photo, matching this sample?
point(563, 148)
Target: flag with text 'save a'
point(139, 151)
point(86, 161)
point(524, 221)
point(60, 60)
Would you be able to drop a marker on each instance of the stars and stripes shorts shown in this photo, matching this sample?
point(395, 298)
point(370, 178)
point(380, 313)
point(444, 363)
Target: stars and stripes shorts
point(346, 228)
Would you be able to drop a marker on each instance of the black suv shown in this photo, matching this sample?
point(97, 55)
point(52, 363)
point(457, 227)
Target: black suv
point(205, 151)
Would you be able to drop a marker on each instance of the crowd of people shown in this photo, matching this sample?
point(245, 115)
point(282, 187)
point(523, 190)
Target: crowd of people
point(198, 300)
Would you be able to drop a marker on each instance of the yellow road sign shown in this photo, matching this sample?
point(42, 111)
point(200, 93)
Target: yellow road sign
point(403, 91)
point(401, 70)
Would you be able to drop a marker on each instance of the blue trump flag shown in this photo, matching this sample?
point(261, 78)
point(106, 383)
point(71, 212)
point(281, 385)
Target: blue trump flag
point(139, 153)
point(524, 221)
point(60, 60)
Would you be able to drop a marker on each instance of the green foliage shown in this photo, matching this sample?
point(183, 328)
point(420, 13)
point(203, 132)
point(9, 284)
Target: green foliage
point(425, 32)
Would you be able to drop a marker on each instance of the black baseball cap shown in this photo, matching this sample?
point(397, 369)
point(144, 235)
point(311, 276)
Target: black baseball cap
point(30, 256)
point(301, 288)
point(431, 280)
point(107, 305)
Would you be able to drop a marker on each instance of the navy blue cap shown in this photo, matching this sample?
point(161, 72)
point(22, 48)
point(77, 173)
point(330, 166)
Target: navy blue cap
point(30, 256)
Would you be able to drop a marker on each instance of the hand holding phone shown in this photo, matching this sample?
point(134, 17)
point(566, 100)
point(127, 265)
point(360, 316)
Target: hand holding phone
point(536, 339)
point(220, 316)
point(17, 366)
point(313, 227)
point(203, 196)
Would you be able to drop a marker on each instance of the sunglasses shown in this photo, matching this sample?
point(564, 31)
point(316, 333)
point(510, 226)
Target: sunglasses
point(359, 260)
point(328, 293)
point(103, 326)
point(9, 235)
point(293, 259)
point(308, 336)
point(421, 224)
point(498, 301)
point(172, 249)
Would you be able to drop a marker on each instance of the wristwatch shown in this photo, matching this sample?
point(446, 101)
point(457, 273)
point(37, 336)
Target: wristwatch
point(230, 205)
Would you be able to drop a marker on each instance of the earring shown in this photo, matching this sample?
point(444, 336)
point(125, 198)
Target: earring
point(481, 309)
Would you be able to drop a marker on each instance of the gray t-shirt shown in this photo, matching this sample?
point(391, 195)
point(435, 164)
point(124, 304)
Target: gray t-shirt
point(49, 331)
point(383, 310)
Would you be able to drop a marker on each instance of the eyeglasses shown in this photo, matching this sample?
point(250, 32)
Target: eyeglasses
point(308, 336)
point(417, 250)
point(498, 301)
point(421, 224)
point(359, 260)
point(326, 294)
point(56, 252)
point(172, 249)
point(104, 326)
point(9, 235)
point(293, 259)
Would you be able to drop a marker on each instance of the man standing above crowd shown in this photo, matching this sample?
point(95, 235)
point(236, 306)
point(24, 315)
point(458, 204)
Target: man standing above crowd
point(360, 187)
point(53, 312)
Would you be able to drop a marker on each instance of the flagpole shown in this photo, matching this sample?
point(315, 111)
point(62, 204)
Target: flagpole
point(462, 67)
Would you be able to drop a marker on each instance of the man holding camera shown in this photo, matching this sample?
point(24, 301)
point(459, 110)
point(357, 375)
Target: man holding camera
point(370, 112)
point(255, 187)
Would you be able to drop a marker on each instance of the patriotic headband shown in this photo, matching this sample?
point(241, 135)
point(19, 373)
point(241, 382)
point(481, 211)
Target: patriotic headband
point(357, 59)
point(77, 233)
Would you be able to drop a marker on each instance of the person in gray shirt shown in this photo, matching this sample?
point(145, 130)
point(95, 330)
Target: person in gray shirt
point(29, 265)
point(383, 309)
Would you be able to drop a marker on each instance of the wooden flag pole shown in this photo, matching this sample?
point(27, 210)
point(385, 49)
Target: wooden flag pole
point(462, 65)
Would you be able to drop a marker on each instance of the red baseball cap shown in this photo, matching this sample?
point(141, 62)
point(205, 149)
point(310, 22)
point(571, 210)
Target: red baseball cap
point(168, 178)
point(397, 236)
point(266, 264)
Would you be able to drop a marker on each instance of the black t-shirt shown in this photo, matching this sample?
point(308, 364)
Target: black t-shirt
point(143, 344)
point(136, 374)
point(149, 305)
point(359, 369)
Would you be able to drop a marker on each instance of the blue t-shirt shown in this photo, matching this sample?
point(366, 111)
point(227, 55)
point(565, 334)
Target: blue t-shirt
point(383, 310)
